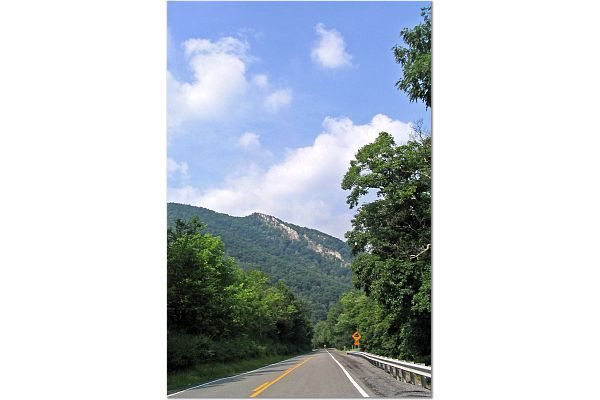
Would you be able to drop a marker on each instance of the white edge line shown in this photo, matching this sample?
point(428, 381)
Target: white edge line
point(362, 392)
point(232, 376)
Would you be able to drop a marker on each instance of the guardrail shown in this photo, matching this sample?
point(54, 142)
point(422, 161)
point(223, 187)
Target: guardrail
point(401, 370)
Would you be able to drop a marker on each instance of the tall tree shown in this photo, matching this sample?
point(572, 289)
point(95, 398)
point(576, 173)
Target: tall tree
point(391, 235)
point(416, 60)
point(198, 272)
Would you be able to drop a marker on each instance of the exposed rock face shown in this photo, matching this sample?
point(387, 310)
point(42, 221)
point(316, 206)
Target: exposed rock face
point(274, 222)
point(291, 234)
point(319, 248)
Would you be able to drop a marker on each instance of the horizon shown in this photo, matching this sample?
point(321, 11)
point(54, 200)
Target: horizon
point(258, 213)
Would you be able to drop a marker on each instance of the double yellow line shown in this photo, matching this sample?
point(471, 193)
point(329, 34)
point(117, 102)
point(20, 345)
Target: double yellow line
point(258, 390)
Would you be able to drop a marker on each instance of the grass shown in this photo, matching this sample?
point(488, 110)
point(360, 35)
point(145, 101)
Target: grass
point(210, 371)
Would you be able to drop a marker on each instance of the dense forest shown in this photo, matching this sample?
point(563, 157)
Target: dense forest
point(218, 312)
point(314, 265)
point(391, 235)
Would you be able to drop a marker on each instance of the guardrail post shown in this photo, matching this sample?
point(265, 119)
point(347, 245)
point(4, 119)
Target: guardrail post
point(412, 378)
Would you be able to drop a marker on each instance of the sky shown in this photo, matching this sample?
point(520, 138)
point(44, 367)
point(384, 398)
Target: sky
point(267, 103)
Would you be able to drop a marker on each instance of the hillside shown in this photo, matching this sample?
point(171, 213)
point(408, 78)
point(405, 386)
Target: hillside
point(314, 265)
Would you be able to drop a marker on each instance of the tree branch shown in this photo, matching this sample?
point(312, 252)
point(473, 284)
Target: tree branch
point(416, 256)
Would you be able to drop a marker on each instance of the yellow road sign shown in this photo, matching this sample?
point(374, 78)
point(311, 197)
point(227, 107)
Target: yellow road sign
point(356, 336)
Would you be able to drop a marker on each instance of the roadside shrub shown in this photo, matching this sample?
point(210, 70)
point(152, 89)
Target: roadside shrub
point(184, 350)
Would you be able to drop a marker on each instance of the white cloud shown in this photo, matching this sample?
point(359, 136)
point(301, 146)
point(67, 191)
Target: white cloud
point(278, 99)
point(305, 187)
point(219, 86)
point(261, 81)
point(184, 195)
point(330, 49)
point(219, 70)
point(249, 140)
point(173, 167)
point(225, 45)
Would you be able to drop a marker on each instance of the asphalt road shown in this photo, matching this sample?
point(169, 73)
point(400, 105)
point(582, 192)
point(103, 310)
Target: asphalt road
point(314, 375)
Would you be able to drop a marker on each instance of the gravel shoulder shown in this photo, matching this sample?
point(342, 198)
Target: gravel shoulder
point(377, 380)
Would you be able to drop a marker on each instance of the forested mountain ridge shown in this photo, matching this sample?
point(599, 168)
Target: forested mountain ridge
point(314, 265)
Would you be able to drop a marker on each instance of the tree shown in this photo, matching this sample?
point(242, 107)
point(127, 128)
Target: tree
point(391, 236)
point(322, 334)
point(416, 60)
point(198, 272)
point(219, 312)
point(356, 311)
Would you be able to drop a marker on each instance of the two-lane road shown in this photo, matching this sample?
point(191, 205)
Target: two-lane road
point(316, 375)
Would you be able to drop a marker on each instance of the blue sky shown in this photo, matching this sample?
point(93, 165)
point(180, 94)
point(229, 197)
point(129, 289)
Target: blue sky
point(268, 103)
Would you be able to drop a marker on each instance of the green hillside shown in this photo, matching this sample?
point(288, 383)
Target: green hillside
point(314, 265)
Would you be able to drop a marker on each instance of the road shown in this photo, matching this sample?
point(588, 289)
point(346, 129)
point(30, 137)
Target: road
point(320, 374)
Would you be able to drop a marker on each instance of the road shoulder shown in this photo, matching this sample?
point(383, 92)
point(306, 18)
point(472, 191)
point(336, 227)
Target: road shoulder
point(375, 381)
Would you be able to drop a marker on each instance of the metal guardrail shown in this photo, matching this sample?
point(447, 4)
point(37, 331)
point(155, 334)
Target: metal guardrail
point(401, 370)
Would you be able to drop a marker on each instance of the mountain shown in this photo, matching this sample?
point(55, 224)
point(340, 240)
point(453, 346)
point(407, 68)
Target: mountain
point(314, 265)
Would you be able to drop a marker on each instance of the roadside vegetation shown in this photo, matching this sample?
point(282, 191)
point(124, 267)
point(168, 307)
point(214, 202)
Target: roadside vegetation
point(219, 313)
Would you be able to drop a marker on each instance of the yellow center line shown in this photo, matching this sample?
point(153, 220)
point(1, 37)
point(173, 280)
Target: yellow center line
point(259, 387)
point(265, 385)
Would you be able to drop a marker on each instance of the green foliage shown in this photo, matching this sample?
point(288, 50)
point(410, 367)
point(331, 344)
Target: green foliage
point(356, 311)
point(398, 222)
point(416, 60)
point(184, 350)
point(255, 244)
point(381, 333)
point(198, 273)
point(391, 238)
point(219, 312)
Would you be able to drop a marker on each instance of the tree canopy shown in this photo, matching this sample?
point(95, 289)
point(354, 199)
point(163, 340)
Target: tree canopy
point(391, 236)
point(218, 312)
point(415, 59)
point(356, 312)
